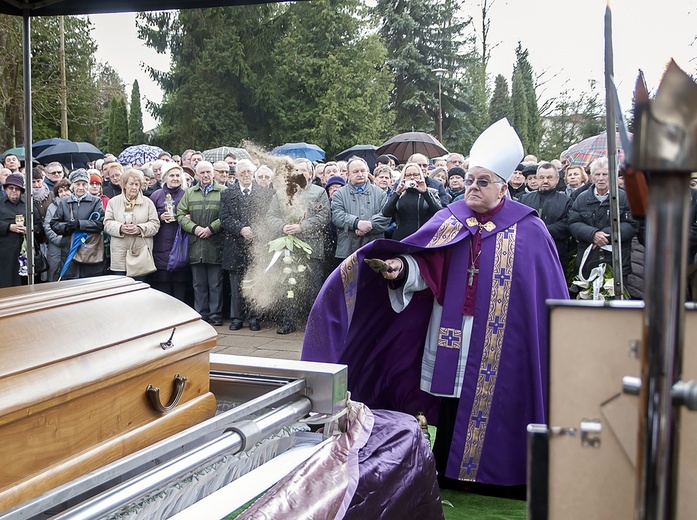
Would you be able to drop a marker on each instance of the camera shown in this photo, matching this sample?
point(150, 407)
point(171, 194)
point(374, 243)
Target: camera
point(411, 184)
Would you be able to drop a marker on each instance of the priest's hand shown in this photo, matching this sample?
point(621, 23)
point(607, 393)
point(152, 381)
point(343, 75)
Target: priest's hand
point(397, 268)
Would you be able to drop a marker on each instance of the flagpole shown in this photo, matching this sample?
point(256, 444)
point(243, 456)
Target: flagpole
point(615, 236)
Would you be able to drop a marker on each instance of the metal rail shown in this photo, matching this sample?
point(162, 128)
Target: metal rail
point(228, 444)
point(173, 444)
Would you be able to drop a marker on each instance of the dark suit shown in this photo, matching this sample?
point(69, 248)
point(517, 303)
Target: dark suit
point(237, 211)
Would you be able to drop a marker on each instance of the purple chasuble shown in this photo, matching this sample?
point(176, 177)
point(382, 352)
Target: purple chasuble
point(504, 389)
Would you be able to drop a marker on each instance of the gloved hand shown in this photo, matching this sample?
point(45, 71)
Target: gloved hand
point(70, 227)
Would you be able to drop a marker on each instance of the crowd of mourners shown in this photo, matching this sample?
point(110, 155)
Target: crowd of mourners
point(223, 207)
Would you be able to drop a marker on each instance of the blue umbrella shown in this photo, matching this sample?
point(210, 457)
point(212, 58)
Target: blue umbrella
point(297, 150)
point(70, 154)
point(40, 146)
point(79, 239)
point(139, 154)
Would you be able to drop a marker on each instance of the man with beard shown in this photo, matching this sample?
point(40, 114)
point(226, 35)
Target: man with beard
point(552, 207)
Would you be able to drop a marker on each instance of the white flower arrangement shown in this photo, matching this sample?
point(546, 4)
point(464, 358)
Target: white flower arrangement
point(292, 251)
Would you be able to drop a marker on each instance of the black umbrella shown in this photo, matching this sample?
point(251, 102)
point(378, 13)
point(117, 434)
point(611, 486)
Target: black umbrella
point(365, 151)
point(70, 154)
point(40, 146)
point(404, 145)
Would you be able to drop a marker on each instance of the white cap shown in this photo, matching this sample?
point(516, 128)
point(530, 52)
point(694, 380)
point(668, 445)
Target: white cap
point(169, 165)
point(498, 149)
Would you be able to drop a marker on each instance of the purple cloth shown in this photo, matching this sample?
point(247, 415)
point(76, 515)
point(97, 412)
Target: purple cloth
point(353, 323)
point(163, 240)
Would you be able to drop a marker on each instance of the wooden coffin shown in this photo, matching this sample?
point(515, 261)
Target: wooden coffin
point(78, 360)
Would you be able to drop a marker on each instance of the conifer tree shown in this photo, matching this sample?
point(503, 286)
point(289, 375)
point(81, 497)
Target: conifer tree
point(135, 119)
point(500, 104)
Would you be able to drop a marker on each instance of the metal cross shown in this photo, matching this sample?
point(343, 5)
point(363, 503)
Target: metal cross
point(472, 271)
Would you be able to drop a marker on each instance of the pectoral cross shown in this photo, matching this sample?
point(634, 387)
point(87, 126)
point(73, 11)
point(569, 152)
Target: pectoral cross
point(472, 271)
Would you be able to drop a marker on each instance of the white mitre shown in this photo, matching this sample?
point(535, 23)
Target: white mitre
point(497, 149)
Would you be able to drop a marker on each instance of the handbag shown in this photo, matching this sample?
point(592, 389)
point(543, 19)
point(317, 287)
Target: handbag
point(92, 250)
point(140, 262)
point(179, 255)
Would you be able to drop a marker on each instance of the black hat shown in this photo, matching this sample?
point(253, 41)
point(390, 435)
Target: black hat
point(15, 179)
point(520, 167)
point(456, 170)
point(530, 170)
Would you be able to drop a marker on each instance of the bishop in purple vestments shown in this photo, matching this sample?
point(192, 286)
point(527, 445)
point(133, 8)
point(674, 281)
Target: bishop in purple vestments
point(461, 322)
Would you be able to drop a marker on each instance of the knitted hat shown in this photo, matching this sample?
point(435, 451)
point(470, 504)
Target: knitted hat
point(456, 170)
point(95, 178)
point(335, 179)
point(498, 149)
point(15, 179)
point(79, 175)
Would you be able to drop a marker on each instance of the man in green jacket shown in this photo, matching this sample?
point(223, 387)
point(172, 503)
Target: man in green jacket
point(199, 215)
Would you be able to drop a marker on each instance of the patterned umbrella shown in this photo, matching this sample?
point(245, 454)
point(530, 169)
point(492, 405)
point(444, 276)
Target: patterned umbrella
point(404, 145)
point(590, 149)
point(139, 154)
point(297, 150)
point(70, 154)
point(218, 154)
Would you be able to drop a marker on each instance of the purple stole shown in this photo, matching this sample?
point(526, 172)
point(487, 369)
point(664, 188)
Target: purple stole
point(464, 265)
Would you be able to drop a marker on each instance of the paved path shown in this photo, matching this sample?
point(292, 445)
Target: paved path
point(264, 343)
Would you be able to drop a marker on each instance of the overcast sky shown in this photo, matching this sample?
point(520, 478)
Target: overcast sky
point(564, 39)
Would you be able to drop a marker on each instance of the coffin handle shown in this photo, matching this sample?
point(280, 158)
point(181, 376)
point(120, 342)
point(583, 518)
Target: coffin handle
point(153, 393)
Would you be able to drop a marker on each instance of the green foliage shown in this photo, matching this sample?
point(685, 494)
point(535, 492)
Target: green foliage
point(118, 126)
point(423, 35)
point(257, 72)
point(572, 120)
point(500, 105)
point(532, 127)
point(520, 109)
point(135, 118)
point(83, 120)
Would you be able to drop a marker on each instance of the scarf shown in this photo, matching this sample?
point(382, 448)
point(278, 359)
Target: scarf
point(40, 194)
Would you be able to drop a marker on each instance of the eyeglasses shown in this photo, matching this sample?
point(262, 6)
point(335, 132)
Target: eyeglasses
point(412, 175)
point(95, 183)
point(423, 165)
point(482, 183)
point(222, 171)
point(54, 173)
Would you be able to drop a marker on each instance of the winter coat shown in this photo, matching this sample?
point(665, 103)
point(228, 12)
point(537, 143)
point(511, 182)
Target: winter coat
point(313, 202)
point(587, 216)
point(348, 207)
point(10, 242)
point(144, 215)
point(456, 195)
point(55, 242)
point(516, 193)
point(196, 210)
point(553, 208)
point(164, 239)
point(236, 212)
point(89, 214)
point(411, 210)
